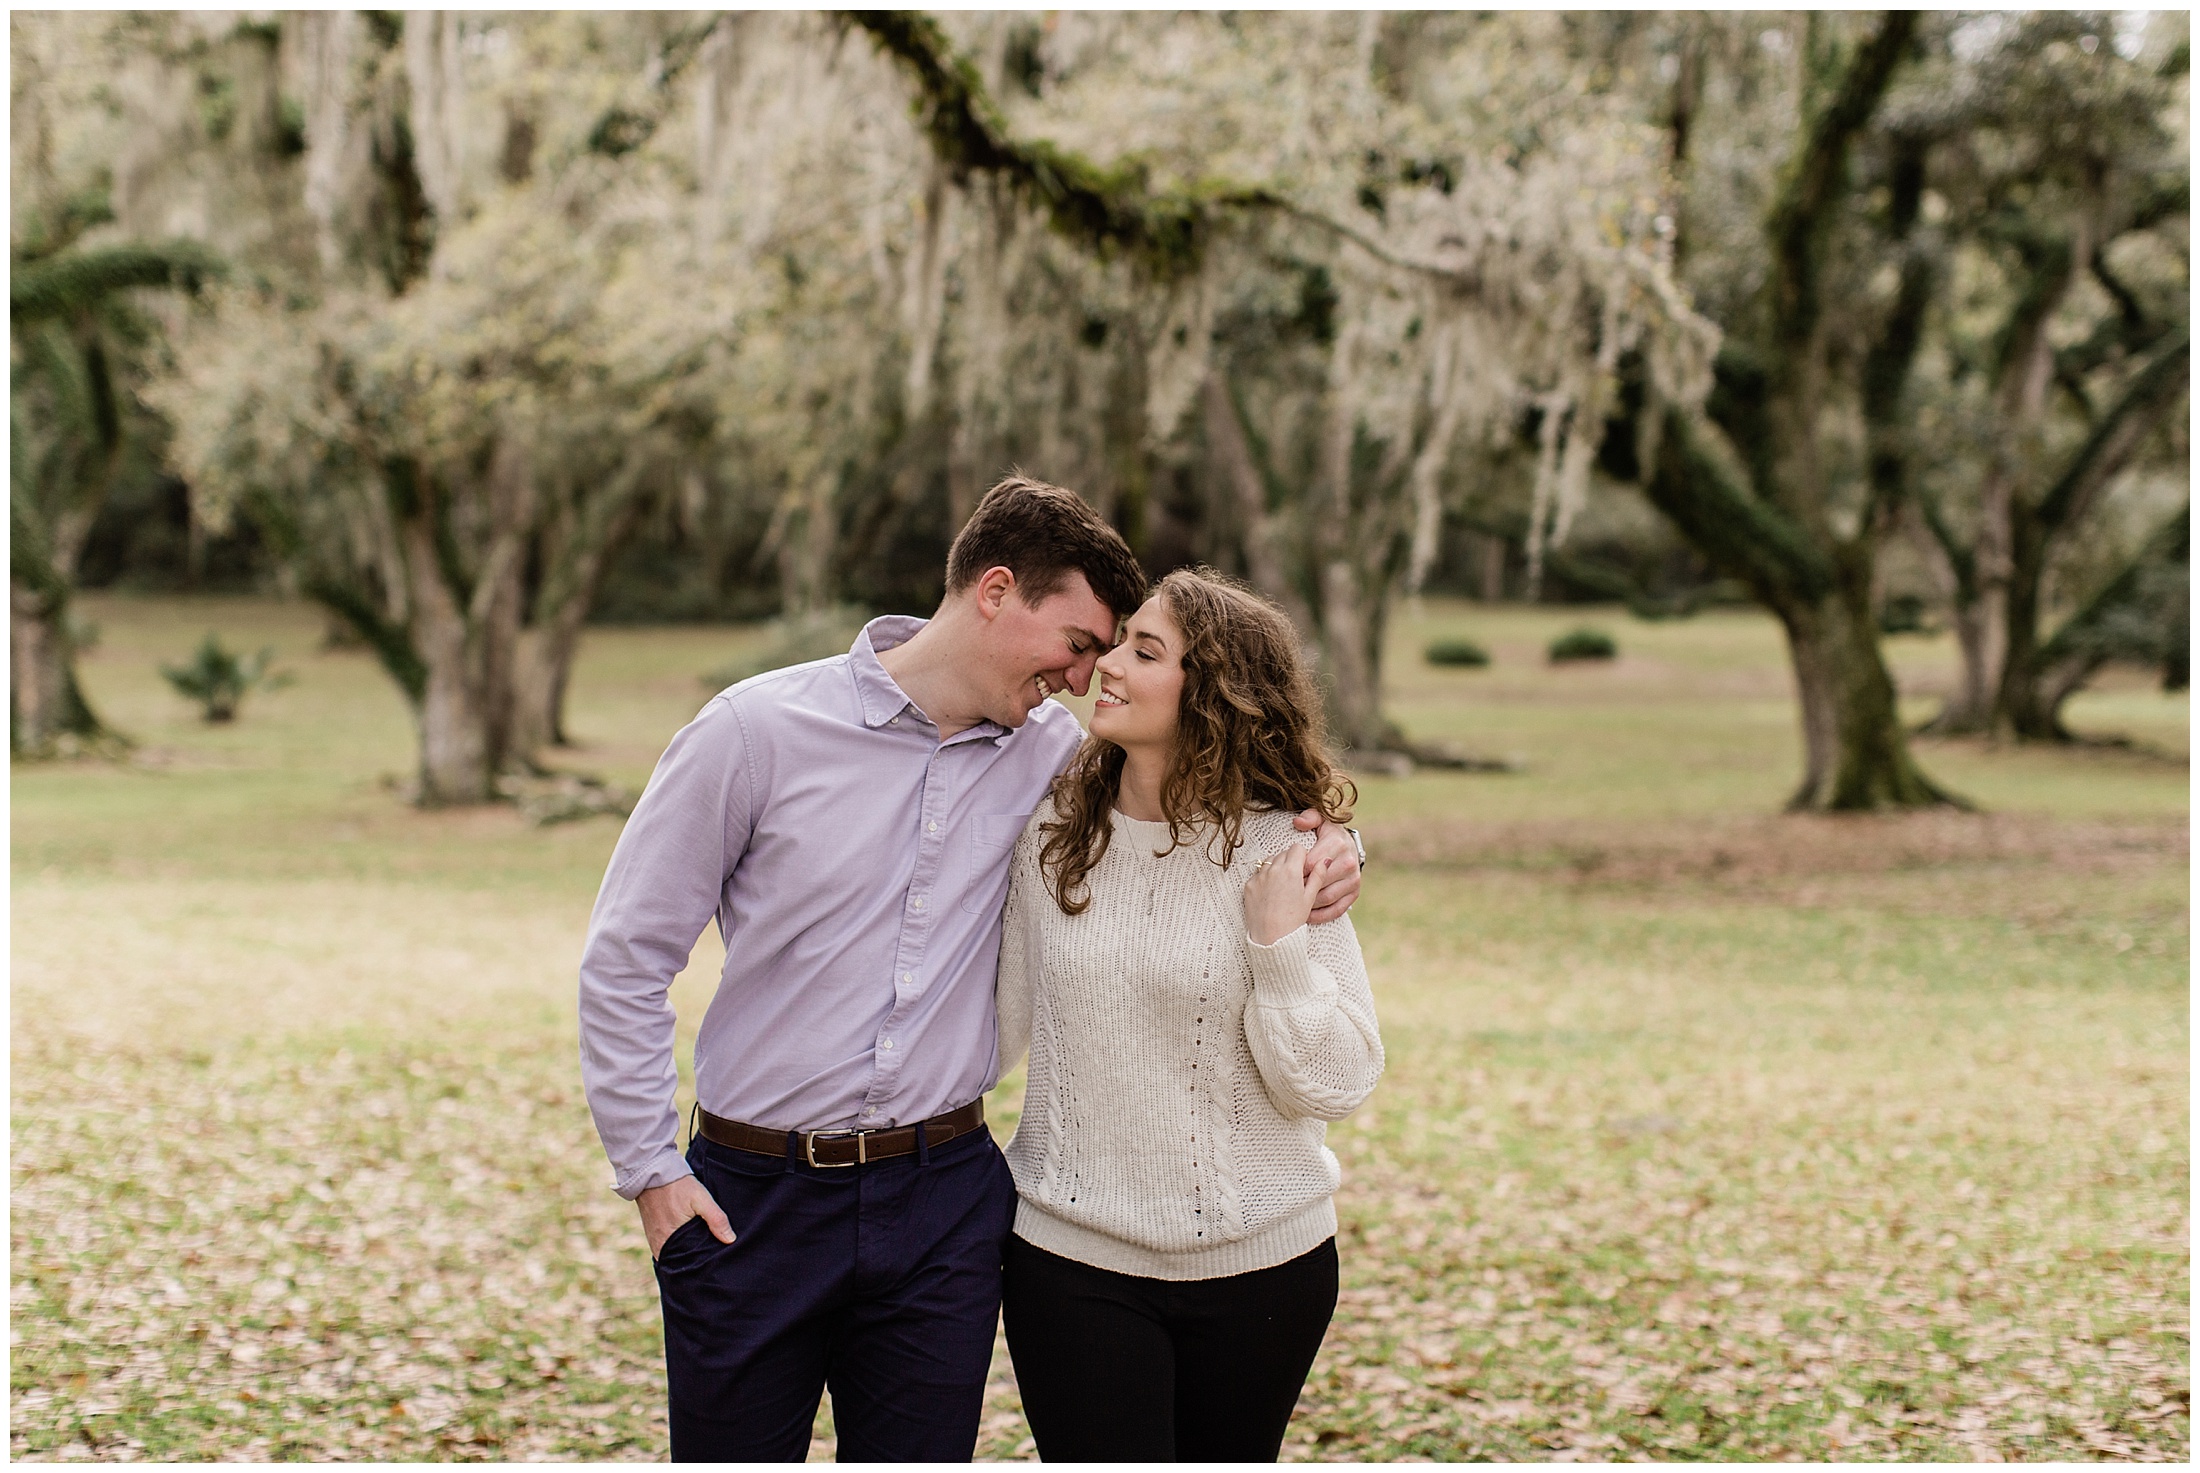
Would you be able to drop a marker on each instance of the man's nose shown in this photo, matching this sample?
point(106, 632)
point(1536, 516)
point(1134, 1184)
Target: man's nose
point(1080, 674)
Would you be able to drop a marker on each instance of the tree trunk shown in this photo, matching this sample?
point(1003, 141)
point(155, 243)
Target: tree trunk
point(542, 665)
point(1349, 637)
point(458, 760)
point(1267, 559)
point(580, 534)
point(2019, 709)
point(1969, 708)
point(466, 636)
point(45, 702)
point(1855, 757)
point(1490, 570)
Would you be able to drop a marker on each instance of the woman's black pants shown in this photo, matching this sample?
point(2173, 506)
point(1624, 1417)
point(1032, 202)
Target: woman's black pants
point(1115, 1368)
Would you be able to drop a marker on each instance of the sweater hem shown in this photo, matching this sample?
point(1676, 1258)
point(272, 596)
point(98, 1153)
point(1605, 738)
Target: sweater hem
point(1302, 1232)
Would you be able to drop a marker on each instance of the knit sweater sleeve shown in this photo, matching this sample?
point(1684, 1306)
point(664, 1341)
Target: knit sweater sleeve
point(1012, 987)
point(1310, 1023)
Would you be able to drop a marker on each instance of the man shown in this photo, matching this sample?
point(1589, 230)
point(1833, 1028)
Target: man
point(840, 1215)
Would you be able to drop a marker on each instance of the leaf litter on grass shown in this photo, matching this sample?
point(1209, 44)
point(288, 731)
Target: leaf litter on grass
point(292, 1255)
point(1589, 1214)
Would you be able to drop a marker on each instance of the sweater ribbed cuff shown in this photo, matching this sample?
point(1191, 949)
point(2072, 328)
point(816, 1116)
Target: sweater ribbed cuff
point(1284, 974)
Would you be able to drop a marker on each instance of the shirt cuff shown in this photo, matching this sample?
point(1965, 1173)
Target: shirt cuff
point(1284, 974)
point(666, 1165)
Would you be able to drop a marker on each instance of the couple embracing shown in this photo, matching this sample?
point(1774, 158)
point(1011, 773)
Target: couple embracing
point(924, 871)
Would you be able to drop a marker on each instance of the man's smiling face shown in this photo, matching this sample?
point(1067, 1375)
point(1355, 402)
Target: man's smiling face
point(1037, 650)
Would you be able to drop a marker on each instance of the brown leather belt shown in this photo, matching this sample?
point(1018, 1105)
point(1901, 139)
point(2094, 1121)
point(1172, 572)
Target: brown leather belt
point(843, 1147)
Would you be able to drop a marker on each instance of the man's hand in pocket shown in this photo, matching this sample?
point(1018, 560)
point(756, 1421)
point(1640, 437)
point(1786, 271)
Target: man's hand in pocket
point(665, 1207)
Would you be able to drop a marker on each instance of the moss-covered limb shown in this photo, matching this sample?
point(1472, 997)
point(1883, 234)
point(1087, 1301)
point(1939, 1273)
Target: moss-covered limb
point(2122, 427)
point(76, 281)
point(2134, 617)
point(1886, 368)
point(1108, 209)
point(1802, 212)
point(1707, 496)
point(391, 644)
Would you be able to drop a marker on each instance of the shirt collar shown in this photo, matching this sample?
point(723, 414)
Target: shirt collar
point(876, 693)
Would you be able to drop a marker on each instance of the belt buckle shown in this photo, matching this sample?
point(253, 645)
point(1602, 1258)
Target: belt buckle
point(809, 1148)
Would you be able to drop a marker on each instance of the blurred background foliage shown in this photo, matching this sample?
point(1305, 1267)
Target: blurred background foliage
point(475, 328)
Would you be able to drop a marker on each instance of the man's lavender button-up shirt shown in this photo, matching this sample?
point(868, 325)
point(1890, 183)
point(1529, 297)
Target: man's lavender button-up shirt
point(856, 865)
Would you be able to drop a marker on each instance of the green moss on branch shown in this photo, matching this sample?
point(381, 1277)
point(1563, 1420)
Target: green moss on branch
point(1107, 209)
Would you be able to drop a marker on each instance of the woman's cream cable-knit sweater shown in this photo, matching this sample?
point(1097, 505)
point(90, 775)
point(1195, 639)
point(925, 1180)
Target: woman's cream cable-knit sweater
point(1180, 1075)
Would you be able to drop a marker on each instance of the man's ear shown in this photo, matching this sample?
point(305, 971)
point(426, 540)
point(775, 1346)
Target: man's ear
point(994, 588)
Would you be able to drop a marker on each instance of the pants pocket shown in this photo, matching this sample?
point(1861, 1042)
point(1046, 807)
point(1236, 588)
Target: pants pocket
point(691, 1244)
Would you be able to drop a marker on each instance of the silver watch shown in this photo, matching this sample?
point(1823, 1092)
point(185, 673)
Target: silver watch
point(1358, 847)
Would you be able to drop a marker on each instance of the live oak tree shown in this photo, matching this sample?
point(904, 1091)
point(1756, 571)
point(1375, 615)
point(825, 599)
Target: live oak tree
point(1791, 476)
point(2008, 334)
point(503, 352)
point(2066, 350)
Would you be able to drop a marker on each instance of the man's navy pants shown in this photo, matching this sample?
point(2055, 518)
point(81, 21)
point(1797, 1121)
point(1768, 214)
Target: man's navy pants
point(881, 1281)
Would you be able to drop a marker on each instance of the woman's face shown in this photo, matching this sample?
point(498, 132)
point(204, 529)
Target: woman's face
point(1141, 681)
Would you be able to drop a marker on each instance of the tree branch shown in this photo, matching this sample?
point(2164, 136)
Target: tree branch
point(2136, 617)
point(1886, 368)
point(1106, 209)
point(2128, 421)
point(1696, 483)
point(1802, 213)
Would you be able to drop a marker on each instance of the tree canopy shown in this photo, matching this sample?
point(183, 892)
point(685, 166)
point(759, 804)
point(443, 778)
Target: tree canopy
point(1800, 308)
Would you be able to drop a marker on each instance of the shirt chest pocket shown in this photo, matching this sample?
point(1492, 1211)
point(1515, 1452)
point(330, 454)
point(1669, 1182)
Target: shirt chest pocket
point(985, 881)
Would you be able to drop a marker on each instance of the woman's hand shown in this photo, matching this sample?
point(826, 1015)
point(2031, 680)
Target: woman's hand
point(1281, 894)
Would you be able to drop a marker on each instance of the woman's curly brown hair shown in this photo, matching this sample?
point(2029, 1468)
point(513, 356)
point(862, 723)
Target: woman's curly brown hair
point(1249, 734)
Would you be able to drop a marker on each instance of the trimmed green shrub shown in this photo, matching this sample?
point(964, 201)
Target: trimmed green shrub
point(1456, 652)
point(1583, 644)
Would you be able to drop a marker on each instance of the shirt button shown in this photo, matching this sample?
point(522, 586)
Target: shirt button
point(886, 1043)
point(908, 976)
point(893, 721)
point(870, 1109)
point(917, 904)
point(932, 828)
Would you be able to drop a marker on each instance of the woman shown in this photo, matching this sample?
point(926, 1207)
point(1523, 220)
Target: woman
point(1174, 1263)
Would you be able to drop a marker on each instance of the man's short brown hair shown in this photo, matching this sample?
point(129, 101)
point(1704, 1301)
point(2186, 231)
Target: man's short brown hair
point(1043, 534)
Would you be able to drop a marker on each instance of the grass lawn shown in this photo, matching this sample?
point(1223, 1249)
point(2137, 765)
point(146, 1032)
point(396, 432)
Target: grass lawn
point(1707, 1133)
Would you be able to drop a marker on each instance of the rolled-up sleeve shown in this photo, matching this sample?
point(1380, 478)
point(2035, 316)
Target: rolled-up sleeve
point(663, 886)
